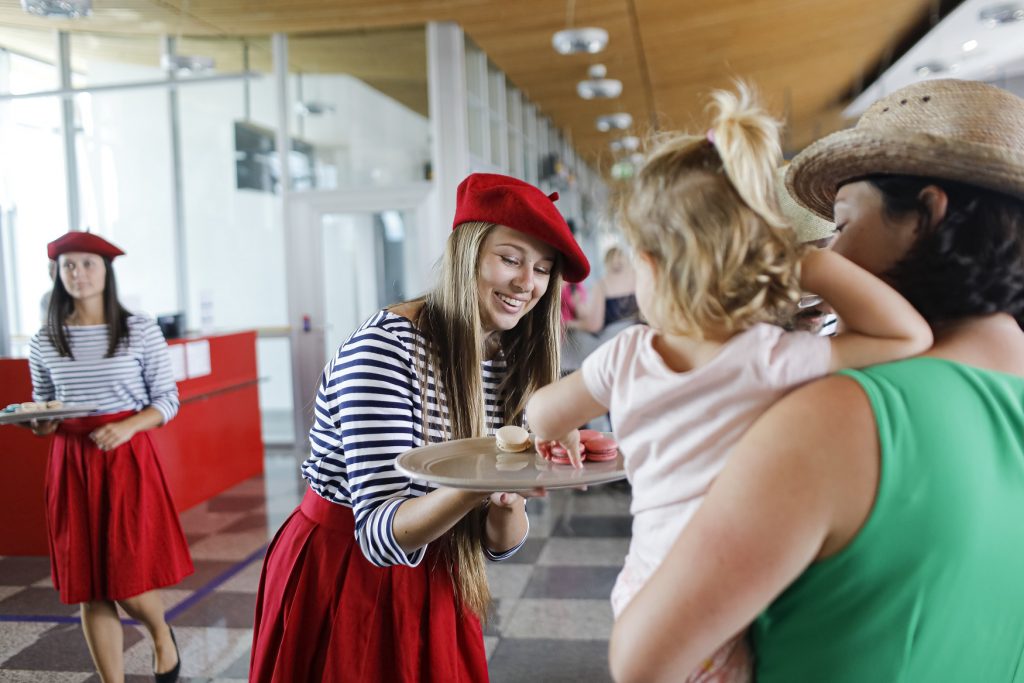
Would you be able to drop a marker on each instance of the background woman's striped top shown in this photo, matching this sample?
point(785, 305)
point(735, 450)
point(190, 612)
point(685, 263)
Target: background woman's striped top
point(138, 375)
point(368, 411)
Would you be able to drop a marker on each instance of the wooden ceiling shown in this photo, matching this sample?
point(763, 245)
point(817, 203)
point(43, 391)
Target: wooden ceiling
point(803, 55)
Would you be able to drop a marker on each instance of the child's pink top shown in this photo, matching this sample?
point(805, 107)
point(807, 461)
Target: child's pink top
point(675, 429)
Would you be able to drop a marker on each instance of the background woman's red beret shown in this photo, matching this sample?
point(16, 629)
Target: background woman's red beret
point(81, 241)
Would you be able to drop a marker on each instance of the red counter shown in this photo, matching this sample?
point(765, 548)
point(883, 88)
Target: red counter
point(213, 443)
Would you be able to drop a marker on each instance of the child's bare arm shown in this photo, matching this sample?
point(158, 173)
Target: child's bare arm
point(880, 325)
point(559, 408)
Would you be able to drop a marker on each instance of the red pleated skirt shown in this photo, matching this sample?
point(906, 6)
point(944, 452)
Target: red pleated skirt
point(113, 529)
point(324, 613)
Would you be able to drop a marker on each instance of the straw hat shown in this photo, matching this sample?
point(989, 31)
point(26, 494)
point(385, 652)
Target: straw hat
point(807, 225)
point(953, 130)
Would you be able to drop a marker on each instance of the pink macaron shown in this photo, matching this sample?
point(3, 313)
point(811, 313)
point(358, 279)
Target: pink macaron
point(588, 434)
point(560, 455)
point(602, 448)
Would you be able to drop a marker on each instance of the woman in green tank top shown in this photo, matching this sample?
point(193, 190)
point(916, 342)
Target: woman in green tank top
point(870, 526)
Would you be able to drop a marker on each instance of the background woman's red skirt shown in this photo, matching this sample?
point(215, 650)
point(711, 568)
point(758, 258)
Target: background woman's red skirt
point(113, 529)
point(324, 613)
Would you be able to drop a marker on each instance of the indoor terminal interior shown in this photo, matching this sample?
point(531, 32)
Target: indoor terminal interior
point(159, 126)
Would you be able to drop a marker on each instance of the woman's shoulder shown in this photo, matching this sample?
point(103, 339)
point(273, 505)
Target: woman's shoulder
point(384, 330)
point(139, 323)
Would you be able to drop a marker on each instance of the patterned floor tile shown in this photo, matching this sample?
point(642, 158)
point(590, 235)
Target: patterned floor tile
point(590, 552)
point(206, 571)
point(590, 583)
point(10, 676)
point(205, 652)
point(247, 504)
point(507, 580)
point(14, 637)
point(61, 648)
point(8, 591)
point(199, 520)
point(549, 661)
point(237, 546)
point(36, 601)
point(218, 609)
point(23, 571)
point(560, 620)
point(254, 521)
point(245, 581)
point(593, 527)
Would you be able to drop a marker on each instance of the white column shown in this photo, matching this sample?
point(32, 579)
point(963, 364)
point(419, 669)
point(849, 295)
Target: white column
point(446, 85)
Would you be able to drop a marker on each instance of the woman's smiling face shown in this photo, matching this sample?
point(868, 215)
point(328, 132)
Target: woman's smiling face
point(513, 273)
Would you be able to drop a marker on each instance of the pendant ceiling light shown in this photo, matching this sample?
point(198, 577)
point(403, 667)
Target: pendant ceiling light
point(589, 40)
point(64, 9)
point(618, 121)
point(597, 86)
point(1004, 13)
point(583, 40)
point(628, 143)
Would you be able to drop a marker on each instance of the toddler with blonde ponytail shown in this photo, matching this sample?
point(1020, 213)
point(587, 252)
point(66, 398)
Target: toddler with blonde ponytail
point(718, 270)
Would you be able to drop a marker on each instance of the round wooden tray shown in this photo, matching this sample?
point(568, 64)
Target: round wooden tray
point(64, 413)
point(478, 465)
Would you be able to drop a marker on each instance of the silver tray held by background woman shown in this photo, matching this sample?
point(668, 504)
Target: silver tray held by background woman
point(63, 413)
point(478, 465)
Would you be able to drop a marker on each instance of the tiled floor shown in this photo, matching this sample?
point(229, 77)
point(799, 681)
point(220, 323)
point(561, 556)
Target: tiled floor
point(550, 622)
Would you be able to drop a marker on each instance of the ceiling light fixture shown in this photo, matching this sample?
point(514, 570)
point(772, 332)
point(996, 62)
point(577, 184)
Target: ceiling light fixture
point(929, 68)
point(970, 46)
point(597, 86)
point(628, 143)
point(1003, 13)
point(61, 9)
point(588, 40)
point(189, 64)
point(618, 121)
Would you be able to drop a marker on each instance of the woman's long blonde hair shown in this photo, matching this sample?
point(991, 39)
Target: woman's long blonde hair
point(450, 323)
point(703, 209)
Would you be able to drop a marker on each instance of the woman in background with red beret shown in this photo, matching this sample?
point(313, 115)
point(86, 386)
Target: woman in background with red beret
point(113, 531)
point(376, 577)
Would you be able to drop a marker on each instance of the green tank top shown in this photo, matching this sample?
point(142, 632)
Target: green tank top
point(931, 590)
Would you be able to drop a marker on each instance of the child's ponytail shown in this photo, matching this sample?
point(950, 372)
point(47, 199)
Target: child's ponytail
point(746, 138)
point(702, 209)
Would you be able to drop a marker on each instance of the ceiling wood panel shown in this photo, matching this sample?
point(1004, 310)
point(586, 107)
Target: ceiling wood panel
point(802, 54)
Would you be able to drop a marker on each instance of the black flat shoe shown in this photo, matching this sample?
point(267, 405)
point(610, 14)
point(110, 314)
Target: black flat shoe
point(172, 675)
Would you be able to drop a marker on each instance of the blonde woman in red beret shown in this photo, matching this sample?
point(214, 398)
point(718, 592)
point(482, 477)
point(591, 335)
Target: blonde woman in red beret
point(114, 534)
point(376, 577)
point(870, 524)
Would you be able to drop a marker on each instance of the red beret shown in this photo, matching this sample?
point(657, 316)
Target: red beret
point(500, 199)
point(81, 241)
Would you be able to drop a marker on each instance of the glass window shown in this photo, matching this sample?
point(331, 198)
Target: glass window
point(359, 102)
point(477, 123)
point(125, 186)
point(28, 59)
point(33, 207)
point(105, 59)
point(476, 66)
point(495, 90)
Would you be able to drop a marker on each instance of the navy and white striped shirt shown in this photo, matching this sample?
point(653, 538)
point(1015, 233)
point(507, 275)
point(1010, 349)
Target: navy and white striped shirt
point(138, 375)
point(368, 411)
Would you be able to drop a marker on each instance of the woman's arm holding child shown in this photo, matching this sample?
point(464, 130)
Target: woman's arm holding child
point(880, 325)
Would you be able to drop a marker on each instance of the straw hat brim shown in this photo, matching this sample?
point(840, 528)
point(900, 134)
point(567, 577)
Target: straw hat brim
point(816, 174)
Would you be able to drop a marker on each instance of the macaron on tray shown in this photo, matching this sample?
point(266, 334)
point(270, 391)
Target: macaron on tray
point(17, 413)
point(510, 461)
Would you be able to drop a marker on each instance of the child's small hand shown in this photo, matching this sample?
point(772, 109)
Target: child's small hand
point(571, 443)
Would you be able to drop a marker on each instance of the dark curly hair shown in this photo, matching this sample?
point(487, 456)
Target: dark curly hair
point(970, 263)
